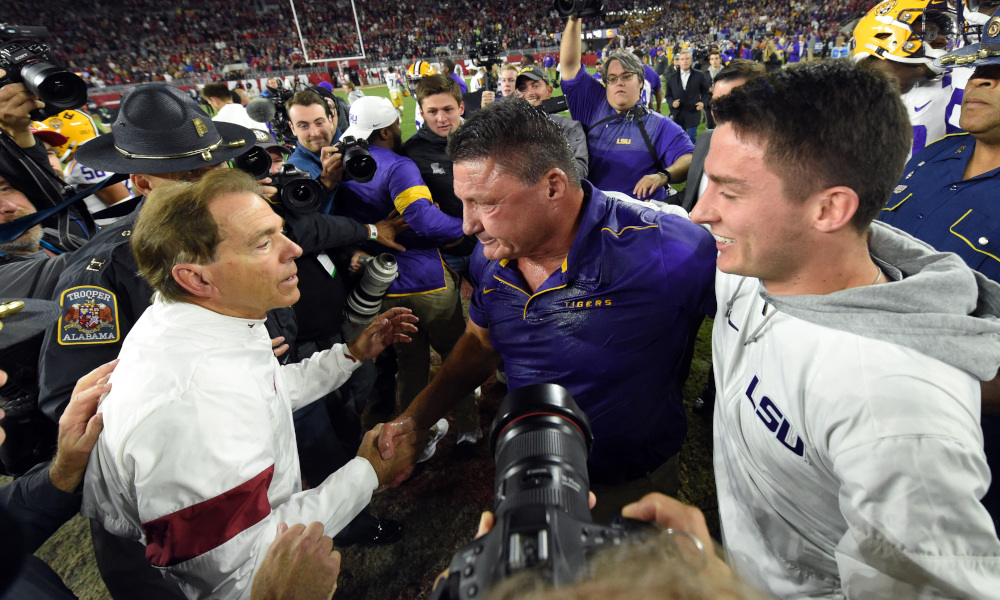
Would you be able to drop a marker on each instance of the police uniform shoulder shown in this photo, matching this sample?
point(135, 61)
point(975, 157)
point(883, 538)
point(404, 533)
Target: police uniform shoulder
point(944, 143)
point(109, 250)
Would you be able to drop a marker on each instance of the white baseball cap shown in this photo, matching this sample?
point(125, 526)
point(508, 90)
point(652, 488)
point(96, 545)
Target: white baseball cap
point(369, 114)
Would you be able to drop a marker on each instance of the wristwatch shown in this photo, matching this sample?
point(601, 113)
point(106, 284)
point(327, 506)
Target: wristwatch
point(665, 174)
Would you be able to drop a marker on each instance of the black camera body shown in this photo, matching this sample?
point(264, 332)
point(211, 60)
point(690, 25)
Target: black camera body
point(580, 8)
point(486, 53)
point(359, 164)
point(540, 440)
point(282, 125)
point(27, 61)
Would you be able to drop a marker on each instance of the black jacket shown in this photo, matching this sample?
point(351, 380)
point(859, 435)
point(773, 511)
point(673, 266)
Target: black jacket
point(687, 114)
point(430, 152)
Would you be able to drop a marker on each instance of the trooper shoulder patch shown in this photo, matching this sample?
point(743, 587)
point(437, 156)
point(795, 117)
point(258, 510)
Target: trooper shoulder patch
point(89, 316)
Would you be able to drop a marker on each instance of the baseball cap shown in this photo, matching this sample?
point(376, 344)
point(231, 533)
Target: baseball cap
point(369, 114)
point(531, 72)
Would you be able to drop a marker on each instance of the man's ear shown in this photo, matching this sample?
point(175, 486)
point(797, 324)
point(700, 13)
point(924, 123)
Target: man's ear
point(141, 184)
point(195, 279)
point(833, 208)
point(557, 183)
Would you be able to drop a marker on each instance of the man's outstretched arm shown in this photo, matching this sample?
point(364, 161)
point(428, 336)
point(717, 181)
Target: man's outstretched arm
point(570, 48)
point(469, 364)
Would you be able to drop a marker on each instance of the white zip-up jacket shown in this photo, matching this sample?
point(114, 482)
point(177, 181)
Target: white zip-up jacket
point(850, 466)
point(197, 459)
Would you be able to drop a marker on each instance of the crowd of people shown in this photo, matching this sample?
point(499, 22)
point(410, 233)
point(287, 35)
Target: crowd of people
point(112, 43)
point(253, 397)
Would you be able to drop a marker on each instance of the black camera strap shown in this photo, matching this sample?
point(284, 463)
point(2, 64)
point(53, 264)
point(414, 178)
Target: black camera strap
point(637, 114)
point(16, 228)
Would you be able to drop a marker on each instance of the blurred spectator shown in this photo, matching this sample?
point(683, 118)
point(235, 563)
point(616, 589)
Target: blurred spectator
point(352, 91)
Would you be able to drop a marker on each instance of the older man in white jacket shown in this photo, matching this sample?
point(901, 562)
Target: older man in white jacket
point(198, 460)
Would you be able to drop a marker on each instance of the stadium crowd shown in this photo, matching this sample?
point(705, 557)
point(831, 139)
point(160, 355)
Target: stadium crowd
point(226, 359)
point(134, 41)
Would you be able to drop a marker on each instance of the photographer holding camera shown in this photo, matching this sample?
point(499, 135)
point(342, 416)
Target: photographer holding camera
point(26, 184)
point(424, 285)
point(632, 150)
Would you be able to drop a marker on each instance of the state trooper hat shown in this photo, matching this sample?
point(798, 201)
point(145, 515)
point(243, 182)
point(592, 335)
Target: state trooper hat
point(160, 129)
point(986, 52)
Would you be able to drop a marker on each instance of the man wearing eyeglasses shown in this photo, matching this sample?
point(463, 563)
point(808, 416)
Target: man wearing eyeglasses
point(632, 150)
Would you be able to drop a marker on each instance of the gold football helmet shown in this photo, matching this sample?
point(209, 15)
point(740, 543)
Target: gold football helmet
point(906, 31)
point(420, 69)
point(77, 126)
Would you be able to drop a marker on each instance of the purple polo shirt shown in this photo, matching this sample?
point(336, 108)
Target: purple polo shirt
point(619, 157)
point(612, 326)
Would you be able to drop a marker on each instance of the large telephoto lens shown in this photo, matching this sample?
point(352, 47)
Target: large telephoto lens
point(540, 441)
point(58, 88)
point(366, 299)
point(256, 162)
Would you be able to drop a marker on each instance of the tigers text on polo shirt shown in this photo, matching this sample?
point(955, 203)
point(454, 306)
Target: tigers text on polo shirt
point(613, 326)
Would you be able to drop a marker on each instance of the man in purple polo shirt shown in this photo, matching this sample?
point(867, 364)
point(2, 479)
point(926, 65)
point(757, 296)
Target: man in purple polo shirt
point(632, 150)
point(572, 287)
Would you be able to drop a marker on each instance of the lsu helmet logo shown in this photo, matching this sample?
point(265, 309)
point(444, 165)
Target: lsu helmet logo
point(885, 7)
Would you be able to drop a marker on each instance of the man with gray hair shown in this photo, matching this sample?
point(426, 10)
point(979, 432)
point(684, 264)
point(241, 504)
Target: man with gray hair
point(632, 150)
point(687, 94)
point(197, 460)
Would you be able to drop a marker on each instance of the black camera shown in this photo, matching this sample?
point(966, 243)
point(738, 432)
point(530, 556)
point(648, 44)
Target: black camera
point(255, 162)
point(297, 190)
point(359, 164)
point(540, 441)
point(554, 105)
point(580, 8)
point(486, 53)
point(27, 61)
point(282, 125)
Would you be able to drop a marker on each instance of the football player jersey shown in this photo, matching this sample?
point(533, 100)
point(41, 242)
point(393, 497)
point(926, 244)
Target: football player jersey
point(81, 176)
point(393, 81)
point(928, 107)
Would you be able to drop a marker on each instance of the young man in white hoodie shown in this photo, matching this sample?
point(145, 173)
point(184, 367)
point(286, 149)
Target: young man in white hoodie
point(847, 355)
